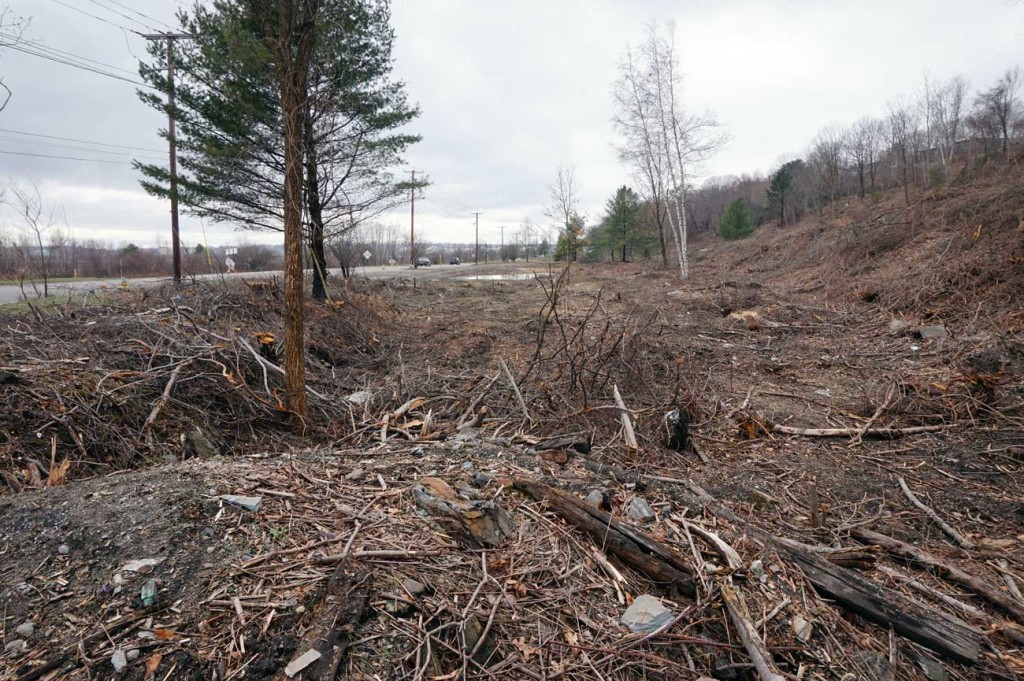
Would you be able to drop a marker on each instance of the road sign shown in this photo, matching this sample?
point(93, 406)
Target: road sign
point(367, 254)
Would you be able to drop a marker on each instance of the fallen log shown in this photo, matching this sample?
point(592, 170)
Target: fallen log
point(747, 631)
point(931, 628)
point(657, 561)
point(323, 648)
point(578, 442)
point(846, 432)
point(951, 573)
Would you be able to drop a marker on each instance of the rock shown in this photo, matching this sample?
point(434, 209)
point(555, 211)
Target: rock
point(467, 466)
point(25, 630)
point(933, 670)
point(899, 327)
point(935, 332)
point(204, 447)
point(209, 533)
point(132, 654)
point(414, 588)
point(482, 479)
point(355, 475)
point(119, 660)
point(63, 549)
point(359, 397)
point(875, 665)
point(301, 662)
point(474, 631)
point(243, 502)
point(143, 566)
point(638, 510)
point(476, 524)
point(646, 615)
point(417, 451)
point(598, 498)
point(16, 646)
point(466, 434)
point(757, 571)
point(801, 628)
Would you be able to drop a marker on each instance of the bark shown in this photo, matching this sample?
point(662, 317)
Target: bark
point(316, 214)
point(292, 70)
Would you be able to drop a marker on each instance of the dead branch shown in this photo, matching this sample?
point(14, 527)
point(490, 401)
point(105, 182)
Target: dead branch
point(953, 534)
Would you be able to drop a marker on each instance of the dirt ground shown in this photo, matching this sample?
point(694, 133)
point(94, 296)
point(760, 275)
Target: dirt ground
point(753, 354)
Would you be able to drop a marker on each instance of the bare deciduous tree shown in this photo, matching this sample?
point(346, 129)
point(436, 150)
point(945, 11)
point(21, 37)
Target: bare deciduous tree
point(903, 132)
point(827, 159)
point(42, 234)
point(564, 196)
point(999, 107)
point(864, 144)
point(12, 27)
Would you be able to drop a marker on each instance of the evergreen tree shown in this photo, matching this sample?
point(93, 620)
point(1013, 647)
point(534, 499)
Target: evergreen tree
point(621, 217)
point(780, 185)
point(737, 223)
point(229, 117)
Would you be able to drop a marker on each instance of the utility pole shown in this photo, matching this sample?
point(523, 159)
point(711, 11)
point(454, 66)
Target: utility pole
point(501, 253)
point(172, 146)
point(412, 218)
point(476, 258)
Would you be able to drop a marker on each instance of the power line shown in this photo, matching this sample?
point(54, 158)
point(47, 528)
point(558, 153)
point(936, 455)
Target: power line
point(80, 141)
point(56, 56)
point(122, 15)
point(141, 14)
point(89, 14)
point(66, 158)
point(14, 140)
point(62, 54)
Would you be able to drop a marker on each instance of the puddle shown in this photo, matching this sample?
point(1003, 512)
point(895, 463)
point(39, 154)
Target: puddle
point(521, 276)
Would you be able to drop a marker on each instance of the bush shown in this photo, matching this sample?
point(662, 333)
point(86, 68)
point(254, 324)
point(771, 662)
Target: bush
point(737, 223)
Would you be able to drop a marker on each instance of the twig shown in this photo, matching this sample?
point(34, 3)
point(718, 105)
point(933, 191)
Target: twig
point(165, 396)
point(515, 388)
point(953, 534)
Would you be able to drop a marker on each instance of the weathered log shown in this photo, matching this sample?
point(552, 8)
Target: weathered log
point(476, 524)
point(578, 442)
point(951, 573)
point(335, 620)
point(655, 560)
point(931, 628)
point(756, 648)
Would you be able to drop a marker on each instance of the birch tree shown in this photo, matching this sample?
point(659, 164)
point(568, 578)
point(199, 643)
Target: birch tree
point(657, 124)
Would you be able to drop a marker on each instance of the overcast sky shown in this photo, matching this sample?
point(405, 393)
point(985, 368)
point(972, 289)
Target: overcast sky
point(509, 90)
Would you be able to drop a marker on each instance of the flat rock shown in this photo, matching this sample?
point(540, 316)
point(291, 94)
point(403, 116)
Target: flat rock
point(646, 615)
point(119, 660)
point(25, 630)
point(935, 332)
point(355, 475)
point(243, 502)
point(15, 646)
point(143, 566)
point(638, 510)
point(413, 587)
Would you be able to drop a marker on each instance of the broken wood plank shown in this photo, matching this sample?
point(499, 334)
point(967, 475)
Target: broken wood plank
point(322, 650)
point(924, 559)
point(931, 628)
point(657, 561)
point(627, 423)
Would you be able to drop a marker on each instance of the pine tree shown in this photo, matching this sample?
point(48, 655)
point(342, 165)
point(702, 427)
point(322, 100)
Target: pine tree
point(738, 222)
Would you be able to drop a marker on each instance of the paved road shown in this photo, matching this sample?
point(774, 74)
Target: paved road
point(12, 293)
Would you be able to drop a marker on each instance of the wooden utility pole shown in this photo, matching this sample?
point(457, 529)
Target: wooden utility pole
point(173, 148)
point(412, 218)
point(476, 258)
point(501, 253)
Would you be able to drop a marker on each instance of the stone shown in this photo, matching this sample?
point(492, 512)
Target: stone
point(802, 628)
point(132, 654)
point(934, 332)
point(596, 498)
point(467, 466)
point(359, 397)
point(16, 646)
point(119, 660)
point(63, 549)
point(355, 475)
point(899, 327)
point(143, 566)
point(638, 510)
point(414, 588)
point(482, 479)
point(417, 451)
point(25, 630)
point(646, 615)
point(243, 502)
point(203, 445)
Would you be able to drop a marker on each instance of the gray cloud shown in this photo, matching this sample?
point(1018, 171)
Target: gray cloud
point(511, 90)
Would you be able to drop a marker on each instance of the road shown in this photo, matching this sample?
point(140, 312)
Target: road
point(11, 293)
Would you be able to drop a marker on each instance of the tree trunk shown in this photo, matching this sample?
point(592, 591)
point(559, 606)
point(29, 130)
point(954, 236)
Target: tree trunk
point(316, 215)
point(292, 74)
point(660, 221)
